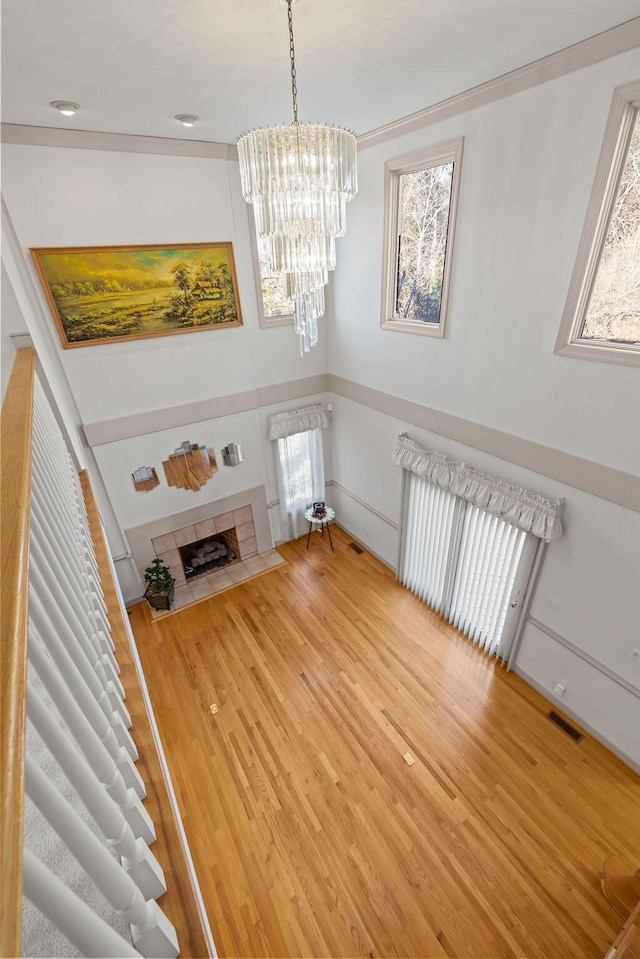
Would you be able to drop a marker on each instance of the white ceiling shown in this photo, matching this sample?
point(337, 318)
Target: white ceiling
point(134, 64)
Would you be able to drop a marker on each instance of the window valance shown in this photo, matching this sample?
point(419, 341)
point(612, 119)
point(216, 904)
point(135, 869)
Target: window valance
point(519, 506)
point(297, 421)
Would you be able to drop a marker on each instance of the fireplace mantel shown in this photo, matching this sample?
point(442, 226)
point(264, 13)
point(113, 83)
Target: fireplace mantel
point(140, 537)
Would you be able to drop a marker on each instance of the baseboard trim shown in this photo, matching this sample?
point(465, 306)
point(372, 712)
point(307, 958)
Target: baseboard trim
point(367, 548)
point(591, 660)
point(597, 735)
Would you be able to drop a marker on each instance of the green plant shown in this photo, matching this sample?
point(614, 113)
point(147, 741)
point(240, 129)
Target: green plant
point(158, 576)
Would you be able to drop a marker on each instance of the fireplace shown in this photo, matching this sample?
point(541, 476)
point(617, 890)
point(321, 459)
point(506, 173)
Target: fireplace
point(244, 512)
point(206, 555)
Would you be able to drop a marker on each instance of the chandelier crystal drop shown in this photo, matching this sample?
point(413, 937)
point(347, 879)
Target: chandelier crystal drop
point(299, 179)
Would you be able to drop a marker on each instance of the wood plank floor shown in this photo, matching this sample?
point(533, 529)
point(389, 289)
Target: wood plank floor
point(311, 836)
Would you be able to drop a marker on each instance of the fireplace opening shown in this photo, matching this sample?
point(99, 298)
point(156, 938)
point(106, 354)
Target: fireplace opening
point(208, 554)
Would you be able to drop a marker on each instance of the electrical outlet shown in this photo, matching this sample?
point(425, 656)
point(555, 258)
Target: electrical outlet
point(635, 654)
point(560, 688)
point(367, 532)
point(553, 602)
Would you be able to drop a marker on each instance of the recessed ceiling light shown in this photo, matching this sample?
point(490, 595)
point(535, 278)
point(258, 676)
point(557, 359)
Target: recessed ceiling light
point(65, 107)
point(187, 119)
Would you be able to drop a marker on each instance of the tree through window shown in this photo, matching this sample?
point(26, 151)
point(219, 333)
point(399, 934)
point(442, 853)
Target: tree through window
point(601, 318)
point(614, 308)
point(421, 193)
point(425, 197)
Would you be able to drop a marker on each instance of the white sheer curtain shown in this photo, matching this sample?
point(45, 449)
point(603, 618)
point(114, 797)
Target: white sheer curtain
point(300, 475)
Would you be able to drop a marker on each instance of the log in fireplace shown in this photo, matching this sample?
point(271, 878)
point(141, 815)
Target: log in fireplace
point(211, 553)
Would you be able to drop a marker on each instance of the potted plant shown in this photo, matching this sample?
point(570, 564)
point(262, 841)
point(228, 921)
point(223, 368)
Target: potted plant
point(159, 592)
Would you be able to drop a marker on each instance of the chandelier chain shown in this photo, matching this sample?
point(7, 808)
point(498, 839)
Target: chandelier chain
point(292, 54)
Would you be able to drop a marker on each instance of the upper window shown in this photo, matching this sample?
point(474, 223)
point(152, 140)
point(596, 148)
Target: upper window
point(274, 309)
point(601, 319)
point(420, 206)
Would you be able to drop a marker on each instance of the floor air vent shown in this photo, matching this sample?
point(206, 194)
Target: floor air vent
point(563, 724)
point(356, 548)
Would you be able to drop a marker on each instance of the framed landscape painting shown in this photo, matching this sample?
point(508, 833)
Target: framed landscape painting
point(108, 294)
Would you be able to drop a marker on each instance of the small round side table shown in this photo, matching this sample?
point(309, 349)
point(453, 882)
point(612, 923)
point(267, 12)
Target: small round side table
point(321, 521)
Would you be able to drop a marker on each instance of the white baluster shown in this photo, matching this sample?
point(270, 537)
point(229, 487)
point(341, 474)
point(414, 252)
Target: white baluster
point(56, 532)
point(68, 564)
point(65, 592)
point(86, 661)
point(91, 935)
point(83, 697)
point(80, 620)
point(56, 519)
point(90, 744)
point(152, 932)
point(137, 858)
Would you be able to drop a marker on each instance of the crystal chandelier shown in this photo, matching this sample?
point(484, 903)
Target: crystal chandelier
point(299, 179)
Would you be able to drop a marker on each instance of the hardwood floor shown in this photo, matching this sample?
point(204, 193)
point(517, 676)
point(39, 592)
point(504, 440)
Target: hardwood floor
point(312, 836)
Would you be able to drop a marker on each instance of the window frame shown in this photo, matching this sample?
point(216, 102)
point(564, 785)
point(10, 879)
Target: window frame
point(266, 322)
point(425, 158)
point(625, 107)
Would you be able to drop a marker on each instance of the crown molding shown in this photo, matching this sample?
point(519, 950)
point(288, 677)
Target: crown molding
point(620, 39)
point(117, 142)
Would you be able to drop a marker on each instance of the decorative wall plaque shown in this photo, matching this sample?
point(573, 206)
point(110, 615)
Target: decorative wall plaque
point(145, 478)
point(190, 466)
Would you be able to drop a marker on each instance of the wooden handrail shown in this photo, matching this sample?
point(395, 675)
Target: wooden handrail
point(180, 903)
point(15, 502)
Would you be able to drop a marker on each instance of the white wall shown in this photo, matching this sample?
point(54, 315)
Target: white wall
point(12, 323)
point(604, 707)
point(72, 197)
point(527, 173)
point(118, 460)
point(593, 570)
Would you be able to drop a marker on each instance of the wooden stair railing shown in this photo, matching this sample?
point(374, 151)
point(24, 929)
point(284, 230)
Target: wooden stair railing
point(15, 444)
point(620, 881)
point(627, 943)
point(181, 903)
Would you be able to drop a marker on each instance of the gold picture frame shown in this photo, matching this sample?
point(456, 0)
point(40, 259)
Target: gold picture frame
point(110, 294)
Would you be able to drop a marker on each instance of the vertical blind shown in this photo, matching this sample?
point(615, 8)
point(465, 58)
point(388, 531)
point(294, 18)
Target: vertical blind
point(463, 561)
point(489, 556)
point(432, 514)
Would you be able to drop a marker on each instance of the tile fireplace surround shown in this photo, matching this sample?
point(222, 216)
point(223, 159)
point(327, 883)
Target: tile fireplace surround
point(246, 512)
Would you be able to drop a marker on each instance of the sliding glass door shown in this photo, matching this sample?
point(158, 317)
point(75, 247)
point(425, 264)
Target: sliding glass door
point(466, 563)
